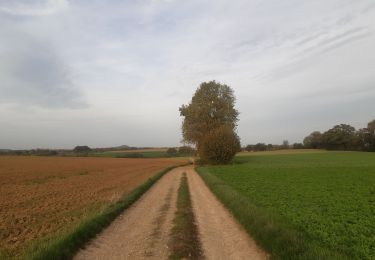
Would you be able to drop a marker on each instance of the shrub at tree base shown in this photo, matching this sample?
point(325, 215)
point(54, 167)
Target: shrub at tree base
point(219, 146)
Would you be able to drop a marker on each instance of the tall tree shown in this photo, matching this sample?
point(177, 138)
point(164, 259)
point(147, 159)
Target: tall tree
point(211, 107)
point(371, 127)
point(370, 137)
point(285, 144)
point(363, 138)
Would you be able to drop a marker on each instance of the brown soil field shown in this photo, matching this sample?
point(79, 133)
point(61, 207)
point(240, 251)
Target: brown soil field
point(44, 196)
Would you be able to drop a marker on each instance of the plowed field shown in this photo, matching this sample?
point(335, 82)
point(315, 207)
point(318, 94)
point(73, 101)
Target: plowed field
point(42, 196)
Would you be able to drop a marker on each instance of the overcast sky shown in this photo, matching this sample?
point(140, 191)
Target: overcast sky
point(105, 73)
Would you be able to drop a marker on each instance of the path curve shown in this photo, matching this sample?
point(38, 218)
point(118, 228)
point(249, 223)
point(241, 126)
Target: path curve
point(143, 230)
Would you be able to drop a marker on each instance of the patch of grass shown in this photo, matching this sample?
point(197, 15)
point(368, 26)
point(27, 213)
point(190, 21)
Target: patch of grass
point(302, 206)
point(44, 180)
point(4, 254)
point(184, 243)
point(83, 173)
point(66, 245)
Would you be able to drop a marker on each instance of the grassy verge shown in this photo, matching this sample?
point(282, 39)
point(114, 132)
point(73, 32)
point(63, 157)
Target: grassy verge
point(273, 233)
point(184, 243)
point(65, 246)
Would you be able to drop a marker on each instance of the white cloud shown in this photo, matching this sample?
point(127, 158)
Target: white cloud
point(34, 8)
point(32, 73)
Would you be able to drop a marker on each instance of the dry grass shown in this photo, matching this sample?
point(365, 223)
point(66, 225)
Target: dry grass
point(41, 196)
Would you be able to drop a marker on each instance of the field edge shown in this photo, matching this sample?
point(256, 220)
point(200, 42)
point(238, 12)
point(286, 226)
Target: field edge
point(65, 246)
point(271, 233)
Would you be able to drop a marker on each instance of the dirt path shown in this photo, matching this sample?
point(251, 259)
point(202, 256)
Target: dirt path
point(143, 231)
point(221, 236)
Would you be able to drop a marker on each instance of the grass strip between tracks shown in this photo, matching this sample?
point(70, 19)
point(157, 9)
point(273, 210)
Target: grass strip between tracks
point(270, 231)
point(65, 246)
point(184, 242)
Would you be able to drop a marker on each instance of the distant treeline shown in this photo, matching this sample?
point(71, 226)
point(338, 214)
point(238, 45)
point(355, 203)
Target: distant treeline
point(118, 148)
point(84, 150)
point(78, 149)
point(343, 137)
point(340, 137)
point(259, 147)
point(38, 152)
point(181, 151)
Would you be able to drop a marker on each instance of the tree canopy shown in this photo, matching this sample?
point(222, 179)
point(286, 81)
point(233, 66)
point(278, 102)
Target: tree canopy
point(82, 149)
point(340, 137)
point(314, 140)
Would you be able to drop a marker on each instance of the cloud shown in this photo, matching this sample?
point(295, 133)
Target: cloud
point(294, 64)
point(34, 8)
point(33, 74)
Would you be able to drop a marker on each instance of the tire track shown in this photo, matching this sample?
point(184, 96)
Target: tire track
point(159, 222)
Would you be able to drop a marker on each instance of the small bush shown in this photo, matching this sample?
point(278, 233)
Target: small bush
point(172, 152)
point(219, 146)
point(186, 150)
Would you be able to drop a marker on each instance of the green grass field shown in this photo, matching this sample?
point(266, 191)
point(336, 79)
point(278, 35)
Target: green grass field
point(318, 202)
